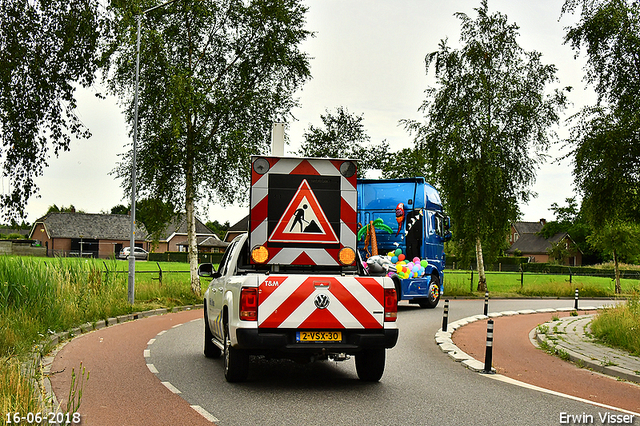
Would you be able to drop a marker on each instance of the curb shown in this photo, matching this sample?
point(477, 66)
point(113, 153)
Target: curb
point(584, 361)
point(42, 364)
point(443, 338)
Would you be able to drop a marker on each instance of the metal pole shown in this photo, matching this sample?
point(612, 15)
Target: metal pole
point(445, 315)
point(486, 303)
point(489, 351)
point(132, 259)
point(575, 305)
point(132, 241)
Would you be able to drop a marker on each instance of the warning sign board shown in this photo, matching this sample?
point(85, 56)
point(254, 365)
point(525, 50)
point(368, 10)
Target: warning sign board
point(303, 220)
point(303, 210)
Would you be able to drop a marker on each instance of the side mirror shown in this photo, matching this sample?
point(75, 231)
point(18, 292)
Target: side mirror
point(206, 270)
point(447, 236)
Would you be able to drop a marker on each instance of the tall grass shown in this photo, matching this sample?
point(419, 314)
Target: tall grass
point(619, 326)
point(39, 297)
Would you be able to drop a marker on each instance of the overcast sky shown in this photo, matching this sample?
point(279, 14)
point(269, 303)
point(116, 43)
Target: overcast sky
point(368, 56)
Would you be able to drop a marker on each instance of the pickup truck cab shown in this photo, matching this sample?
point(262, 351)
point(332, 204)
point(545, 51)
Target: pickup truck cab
point(293, 286)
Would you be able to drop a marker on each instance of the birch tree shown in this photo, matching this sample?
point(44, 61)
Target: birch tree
point(488, 124)
point(214, 76)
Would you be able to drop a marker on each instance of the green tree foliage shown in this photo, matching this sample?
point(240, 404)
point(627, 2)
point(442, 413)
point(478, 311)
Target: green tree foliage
point(343, 135)
point(487, 129)
point(558, 252)
point(569, 219)
point(48, 48)
point(214, 76)
point(120, 209)
point(620, 241)
point(155, 215)
point(62, 209)
point(220, 229)
point(605, 136)
point(406, 163)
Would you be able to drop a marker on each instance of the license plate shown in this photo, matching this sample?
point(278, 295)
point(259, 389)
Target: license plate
point(319, 336)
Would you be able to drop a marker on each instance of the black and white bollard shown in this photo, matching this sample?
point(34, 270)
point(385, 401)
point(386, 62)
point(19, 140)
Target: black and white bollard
point(445, 315)
point(575, 305)
point(489, 351)
point(486, 303)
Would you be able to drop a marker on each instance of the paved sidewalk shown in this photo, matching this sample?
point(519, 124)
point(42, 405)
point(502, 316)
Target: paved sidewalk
point(571, 338)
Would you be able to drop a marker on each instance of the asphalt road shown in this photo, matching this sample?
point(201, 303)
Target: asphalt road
point(421, 385)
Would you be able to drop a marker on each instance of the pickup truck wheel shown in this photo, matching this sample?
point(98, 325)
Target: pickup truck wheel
point(431, 301)
point(210, 349)
point(236, 361)
point(370, 364)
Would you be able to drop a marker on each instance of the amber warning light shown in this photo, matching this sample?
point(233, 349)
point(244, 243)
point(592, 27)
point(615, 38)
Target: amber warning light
point(347, 256)
point(260, 254)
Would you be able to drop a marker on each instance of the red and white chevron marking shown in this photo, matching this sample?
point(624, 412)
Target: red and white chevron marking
point(259, 210)
point(288, 302)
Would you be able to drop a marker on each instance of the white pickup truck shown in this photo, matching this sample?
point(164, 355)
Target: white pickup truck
point(292, 287)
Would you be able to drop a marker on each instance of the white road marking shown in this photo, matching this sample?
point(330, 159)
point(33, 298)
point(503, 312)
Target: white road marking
point(506, 379)
point(171, 387)
point(204, 413)
point(152, 368)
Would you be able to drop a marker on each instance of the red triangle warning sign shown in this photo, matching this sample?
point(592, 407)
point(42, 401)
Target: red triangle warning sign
point(304, 221)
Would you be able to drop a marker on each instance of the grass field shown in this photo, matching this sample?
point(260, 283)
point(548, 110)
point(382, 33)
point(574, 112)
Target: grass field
point(514, 284)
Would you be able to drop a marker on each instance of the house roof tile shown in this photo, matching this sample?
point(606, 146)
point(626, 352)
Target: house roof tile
point(534, 243)
point(527, 227)
point(90, 226)
point(179, 226)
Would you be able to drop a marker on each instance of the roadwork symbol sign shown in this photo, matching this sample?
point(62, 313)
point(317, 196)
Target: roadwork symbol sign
point(303, 220)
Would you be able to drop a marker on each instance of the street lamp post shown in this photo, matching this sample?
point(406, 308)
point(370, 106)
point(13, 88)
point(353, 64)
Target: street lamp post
point(132, 259)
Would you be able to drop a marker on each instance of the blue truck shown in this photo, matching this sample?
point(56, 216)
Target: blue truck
point(408, 221)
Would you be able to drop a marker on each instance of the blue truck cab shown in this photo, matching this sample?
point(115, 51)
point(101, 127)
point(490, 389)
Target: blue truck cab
point(412, 209)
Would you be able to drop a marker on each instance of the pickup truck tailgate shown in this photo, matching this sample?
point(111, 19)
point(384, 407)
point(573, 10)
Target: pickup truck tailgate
point(317, 302)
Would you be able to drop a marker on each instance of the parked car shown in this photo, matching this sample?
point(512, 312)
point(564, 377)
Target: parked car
point(138, 253)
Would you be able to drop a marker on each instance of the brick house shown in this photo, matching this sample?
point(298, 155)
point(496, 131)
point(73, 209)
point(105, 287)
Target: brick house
point(174, 238)
point(525, 238)
point(238, 228)
point(86, 234)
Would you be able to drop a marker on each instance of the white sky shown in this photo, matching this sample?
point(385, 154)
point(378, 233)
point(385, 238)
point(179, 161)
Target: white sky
point(368, 56)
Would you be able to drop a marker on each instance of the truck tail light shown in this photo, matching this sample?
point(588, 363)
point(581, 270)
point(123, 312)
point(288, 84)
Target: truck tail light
point(390, 304)
point(249, 304)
